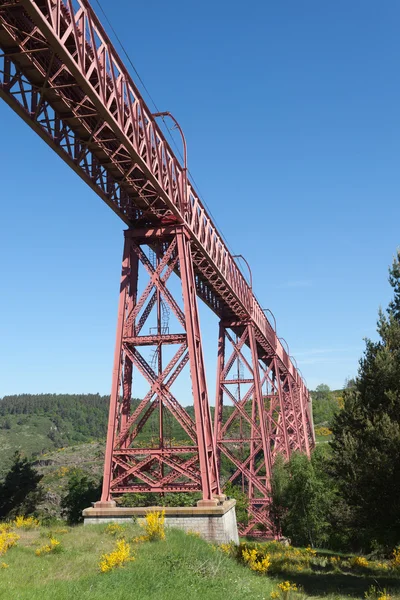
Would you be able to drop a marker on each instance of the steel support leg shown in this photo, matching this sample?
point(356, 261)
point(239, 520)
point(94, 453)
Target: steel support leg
point(161, 464)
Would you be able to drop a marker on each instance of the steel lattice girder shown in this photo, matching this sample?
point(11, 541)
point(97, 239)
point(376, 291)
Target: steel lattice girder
point(266, 418)
point(158, 468)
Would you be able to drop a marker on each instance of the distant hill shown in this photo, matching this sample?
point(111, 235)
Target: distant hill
point(35, 424)
point(40, 423)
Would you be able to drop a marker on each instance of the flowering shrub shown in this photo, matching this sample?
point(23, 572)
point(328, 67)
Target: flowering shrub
point(52, 547)
point(154, 525)
point(358, 562)
point(323, 431)
point(227, 548)
point(7, 540)
point(256, 560)
point(283, 590)
point(139, 539)
point(62, 472)
point(281, 558)
point(5, 527)
point(117, 558)
point(22, 522)
point(4, 565)
point(396, 558)
point(286, 586)
point(335, 561)
point(114, 529)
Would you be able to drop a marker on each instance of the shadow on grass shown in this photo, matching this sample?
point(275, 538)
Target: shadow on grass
point(351, 584)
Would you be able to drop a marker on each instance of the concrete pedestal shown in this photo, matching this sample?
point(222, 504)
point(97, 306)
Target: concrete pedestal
point(214, 523)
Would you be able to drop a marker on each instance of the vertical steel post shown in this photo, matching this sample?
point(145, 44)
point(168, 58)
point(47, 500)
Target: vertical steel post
point(127, 289)
point(208, 465)
point(303, 419)
point(219, 395)
point(283, 414)
point(260, 405)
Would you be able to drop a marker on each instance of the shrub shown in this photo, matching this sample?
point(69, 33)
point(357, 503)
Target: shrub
point(53, 546)
point(22, 522)
point(256, 560)
point(20, 492)
point(154, 525)
point(358, 562)
point(7, 540)
point(283, 590)
point(5, 527)
point(396, 558)
point(117, 558)
point(82, 491)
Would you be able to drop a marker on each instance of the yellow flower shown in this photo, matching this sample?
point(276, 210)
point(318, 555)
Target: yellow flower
point(22, 522)
point(256, 560)
point(7, 540)
point(139, 539)
point(52, 546)
point(154, 525)
point(358, 561)
point(322, 431)
point(4, 565)
point(226, 548)
point(286, 586)
point(396, 558)
point(113, 560)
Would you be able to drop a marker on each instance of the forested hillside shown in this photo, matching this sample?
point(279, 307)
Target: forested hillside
point(38, 423)
point(35, 424)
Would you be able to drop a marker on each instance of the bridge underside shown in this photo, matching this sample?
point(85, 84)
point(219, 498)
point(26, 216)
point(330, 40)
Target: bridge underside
point(60, 73)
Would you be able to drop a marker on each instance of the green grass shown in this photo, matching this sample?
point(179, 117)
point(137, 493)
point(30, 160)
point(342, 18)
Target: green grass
point(182, 567)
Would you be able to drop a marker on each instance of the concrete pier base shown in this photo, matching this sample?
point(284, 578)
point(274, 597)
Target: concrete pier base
point(213, 523)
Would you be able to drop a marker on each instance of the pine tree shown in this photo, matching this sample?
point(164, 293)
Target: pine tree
point(20, 492)
point(366, 445)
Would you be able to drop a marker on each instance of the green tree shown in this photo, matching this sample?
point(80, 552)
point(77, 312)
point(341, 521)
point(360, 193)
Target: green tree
point(366, 445)
point(20, 492)
point(81, 492)
point(242, 502)
point(301, 499)
point(325, 405)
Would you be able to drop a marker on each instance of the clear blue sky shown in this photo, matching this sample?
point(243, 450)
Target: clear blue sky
point(291, 113)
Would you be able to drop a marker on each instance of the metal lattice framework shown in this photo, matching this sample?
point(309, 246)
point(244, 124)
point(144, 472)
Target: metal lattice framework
point(61, 74)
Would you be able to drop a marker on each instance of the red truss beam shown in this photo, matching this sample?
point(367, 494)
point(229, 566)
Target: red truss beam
point(161, 466)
